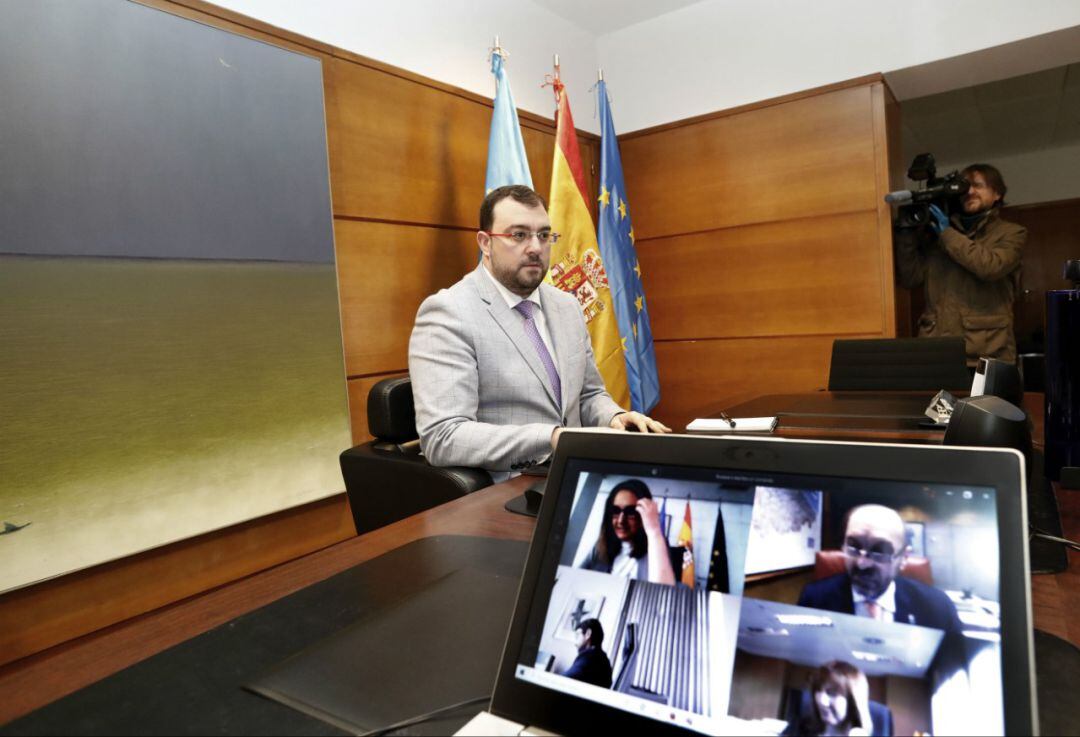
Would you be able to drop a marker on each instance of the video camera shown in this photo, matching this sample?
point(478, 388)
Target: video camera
point(946, 192)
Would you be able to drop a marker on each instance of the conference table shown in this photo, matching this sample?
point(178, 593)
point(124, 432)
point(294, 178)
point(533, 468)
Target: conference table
point(34, 682)
point(895, 416)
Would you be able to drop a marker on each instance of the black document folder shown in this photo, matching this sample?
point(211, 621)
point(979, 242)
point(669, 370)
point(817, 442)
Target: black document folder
point(438, 647)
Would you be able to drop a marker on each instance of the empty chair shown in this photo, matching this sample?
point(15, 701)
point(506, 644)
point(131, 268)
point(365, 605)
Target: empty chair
point(899, 364)
point(388, 479)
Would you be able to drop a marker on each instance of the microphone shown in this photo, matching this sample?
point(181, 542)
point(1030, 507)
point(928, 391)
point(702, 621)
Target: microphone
point(899, 197)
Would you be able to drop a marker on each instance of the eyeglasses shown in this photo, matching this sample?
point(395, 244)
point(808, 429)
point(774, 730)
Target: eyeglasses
point(873, 555)
point(521, 237)
point(630, 512)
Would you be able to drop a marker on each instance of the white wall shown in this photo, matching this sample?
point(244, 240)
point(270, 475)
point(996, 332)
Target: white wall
point(448, 41)
point(718, 54)
point(571, 584)
point(708, 56)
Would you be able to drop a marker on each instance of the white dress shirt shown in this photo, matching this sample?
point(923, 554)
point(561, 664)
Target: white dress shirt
point(625, 564)
point(512, 301)
point(886, 604)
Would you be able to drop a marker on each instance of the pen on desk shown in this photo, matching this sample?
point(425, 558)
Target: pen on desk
point(728, 420)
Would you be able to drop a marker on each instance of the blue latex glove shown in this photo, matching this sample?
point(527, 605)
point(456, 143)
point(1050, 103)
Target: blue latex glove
point(938, 219)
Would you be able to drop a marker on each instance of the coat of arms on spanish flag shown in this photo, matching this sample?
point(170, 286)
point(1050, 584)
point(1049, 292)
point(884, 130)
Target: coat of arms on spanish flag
point(576, 266)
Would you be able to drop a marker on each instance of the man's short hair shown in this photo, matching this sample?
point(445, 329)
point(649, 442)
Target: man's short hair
point(880, 507)
point(992, 177)
point(516, 192)
point(596, 632)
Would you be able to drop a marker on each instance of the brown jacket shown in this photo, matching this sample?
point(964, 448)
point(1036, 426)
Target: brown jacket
point(971, 282)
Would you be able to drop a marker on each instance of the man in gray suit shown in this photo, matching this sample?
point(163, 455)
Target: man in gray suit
point(501, 362)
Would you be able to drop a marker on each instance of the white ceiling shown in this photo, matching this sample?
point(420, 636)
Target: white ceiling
point(902, 649)
point(1031, 112)
point(605, 16)
point(1015, 99)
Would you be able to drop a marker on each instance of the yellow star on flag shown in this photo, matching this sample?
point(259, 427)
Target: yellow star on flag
point(622, 208)
point(624, 348)
point(634, 328)
point(637, 269)
point(605, 196)
point(631, 235)
point(639, 303)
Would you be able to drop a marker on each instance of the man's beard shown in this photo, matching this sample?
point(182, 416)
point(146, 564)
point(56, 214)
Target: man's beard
point(869, 583)
point(519, 280)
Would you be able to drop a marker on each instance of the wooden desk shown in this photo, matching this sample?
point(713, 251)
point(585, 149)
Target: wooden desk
point(38, 680)
point(884, 416)
point(32, 682)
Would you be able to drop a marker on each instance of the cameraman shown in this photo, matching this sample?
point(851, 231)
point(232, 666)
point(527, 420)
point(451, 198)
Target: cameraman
point(970, 264)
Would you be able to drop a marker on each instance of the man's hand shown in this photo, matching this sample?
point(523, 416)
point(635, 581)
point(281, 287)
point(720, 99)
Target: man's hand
point(637, 422)
point(938, 219)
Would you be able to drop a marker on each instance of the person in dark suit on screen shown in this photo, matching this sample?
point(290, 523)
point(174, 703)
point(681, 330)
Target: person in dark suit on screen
point(875, 548)
point(591, 664)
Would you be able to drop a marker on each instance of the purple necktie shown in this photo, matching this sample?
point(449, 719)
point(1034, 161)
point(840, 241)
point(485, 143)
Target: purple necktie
point(525, 307)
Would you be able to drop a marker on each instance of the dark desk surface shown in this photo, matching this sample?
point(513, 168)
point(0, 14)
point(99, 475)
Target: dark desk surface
point(885, 416)
point(32, 682)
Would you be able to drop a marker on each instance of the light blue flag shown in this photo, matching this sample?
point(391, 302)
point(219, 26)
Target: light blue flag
point(616, 238)
point(506, 162)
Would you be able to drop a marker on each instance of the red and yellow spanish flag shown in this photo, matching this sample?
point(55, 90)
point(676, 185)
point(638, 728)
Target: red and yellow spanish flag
point(576, 266)
point(686, 541)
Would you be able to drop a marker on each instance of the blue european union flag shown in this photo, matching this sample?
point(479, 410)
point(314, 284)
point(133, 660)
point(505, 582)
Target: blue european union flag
point(506, 162)
point(616, 237)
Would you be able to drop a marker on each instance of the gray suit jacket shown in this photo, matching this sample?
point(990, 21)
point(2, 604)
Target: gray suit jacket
point(482, 396)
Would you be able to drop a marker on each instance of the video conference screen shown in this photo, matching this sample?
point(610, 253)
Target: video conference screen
point(728, 602)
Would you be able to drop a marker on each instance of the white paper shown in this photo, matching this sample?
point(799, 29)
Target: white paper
point(742, 424)
point(978, 385)
point(486, 723)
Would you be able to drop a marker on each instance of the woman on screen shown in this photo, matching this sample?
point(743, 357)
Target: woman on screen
point(839, 702)
point(631, 542)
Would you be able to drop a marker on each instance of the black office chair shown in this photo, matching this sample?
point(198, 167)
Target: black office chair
point(388, 479)
point(899, 364)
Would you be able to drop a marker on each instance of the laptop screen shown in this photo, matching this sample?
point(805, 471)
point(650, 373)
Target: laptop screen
point(728, 601)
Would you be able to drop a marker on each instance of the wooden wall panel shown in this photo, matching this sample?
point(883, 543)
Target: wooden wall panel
point(396, 149)
point(700, 377)
point(408, 152)
point(895, 177)
point(792, 277)
point(759, 688)
point(805, 158)
point(37, 617)
point(762, 237)
point(384, 272)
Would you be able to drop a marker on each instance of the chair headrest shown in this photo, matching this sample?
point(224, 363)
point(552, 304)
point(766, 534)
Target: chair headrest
point(831, 562)
point(390, 413)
